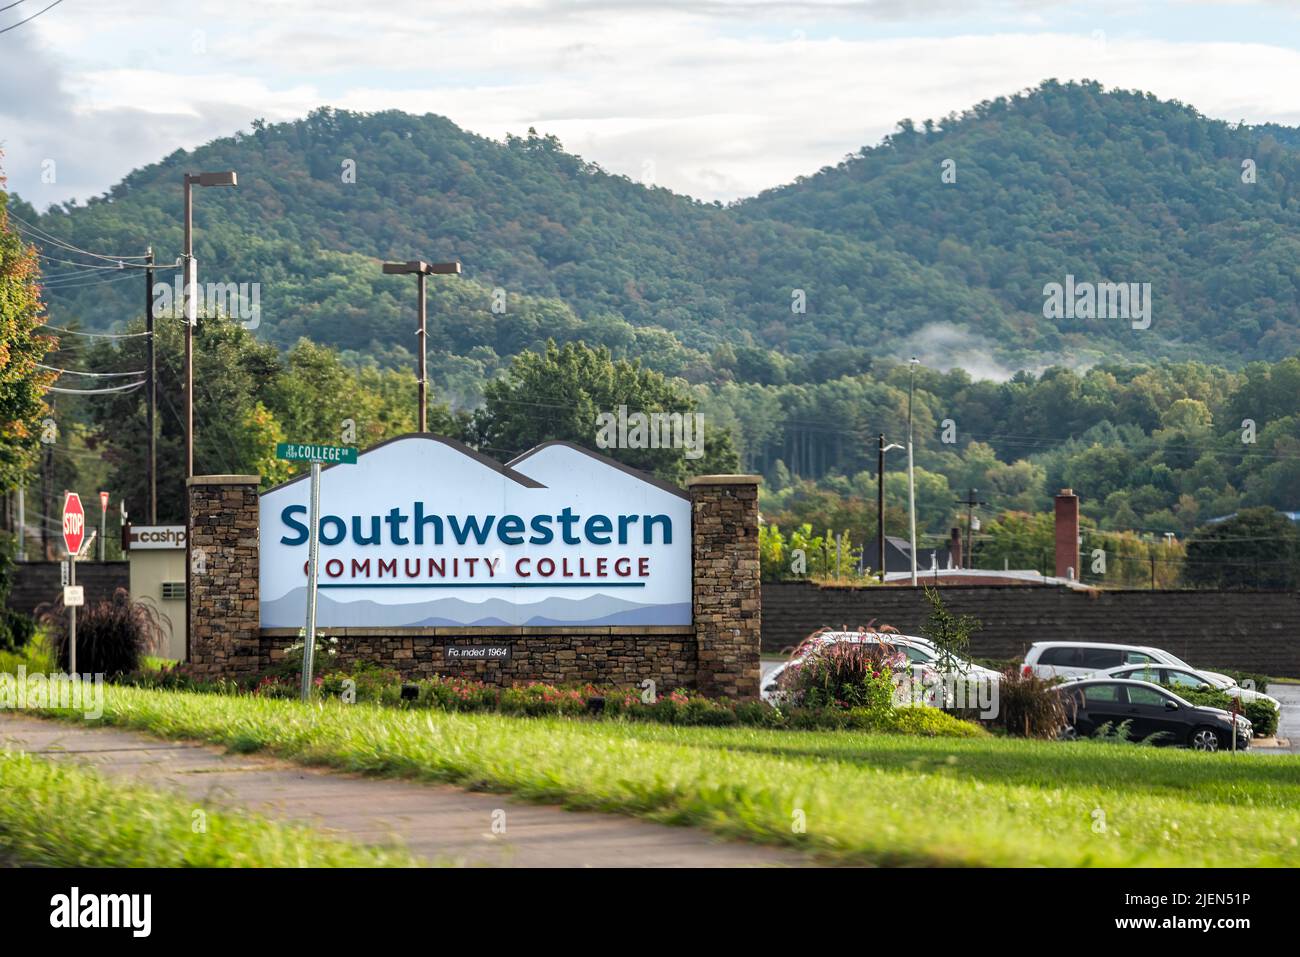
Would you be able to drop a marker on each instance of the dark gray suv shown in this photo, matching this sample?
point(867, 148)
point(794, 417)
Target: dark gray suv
point(1150, 710)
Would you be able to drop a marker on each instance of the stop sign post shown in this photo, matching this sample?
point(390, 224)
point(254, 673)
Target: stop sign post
point(74, 533)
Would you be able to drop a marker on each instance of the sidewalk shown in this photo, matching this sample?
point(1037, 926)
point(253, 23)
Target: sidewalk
point(434, 822)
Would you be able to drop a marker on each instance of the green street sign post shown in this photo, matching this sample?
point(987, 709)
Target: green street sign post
point(323, 454)
point(316, 455)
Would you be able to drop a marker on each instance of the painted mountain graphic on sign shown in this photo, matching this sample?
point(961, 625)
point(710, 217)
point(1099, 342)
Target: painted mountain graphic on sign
point(598, 610)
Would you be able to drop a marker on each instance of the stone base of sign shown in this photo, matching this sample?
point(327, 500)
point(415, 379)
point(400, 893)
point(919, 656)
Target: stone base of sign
point(608, 656)
point(727, 602)
point(718, 654)
point(224, 613)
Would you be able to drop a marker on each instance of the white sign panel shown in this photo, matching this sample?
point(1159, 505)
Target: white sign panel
point(424, 531)
point(74, 596)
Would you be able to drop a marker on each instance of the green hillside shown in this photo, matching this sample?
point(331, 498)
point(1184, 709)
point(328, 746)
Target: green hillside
point(1066, 179)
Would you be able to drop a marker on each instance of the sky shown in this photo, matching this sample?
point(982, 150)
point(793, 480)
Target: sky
point(717, 99)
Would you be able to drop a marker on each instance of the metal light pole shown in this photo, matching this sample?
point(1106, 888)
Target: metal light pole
point(225, 178)
point(880, 502)
point(911, 474)
point(420, 269)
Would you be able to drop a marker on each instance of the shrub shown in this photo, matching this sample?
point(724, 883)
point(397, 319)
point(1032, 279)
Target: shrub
point(323, 658)
point(112, 636)
point(929, 722)
point(843, 674)
point(1262, 715)
point(173, 676)
point(1030, 706)
point(16, 629)
point(368, 680)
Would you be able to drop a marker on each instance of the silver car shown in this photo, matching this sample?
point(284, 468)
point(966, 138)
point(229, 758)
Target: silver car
point(1181, 677)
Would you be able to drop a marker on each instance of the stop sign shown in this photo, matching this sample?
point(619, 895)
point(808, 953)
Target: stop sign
point(74, 523)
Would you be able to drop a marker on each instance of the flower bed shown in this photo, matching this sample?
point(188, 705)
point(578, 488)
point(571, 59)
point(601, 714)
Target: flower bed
point(378, 686)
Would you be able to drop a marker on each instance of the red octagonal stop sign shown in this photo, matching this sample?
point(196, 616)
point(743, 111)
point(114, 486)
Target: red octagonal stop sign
point(74, 523)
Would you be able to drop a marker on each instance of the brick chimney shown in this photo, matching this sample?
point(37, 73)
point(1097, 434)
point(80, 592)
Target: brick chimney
point(954, 548)
point(1067, 534)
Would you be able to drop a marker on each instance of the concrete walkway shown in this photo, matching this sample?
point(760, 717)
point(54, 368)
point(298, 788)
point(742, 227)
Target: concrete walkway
point(434, 822)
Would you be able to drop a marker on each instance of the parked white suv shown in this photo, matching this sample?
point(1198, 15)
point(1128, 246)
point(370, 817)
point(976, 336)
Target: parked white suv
point(1074, 659)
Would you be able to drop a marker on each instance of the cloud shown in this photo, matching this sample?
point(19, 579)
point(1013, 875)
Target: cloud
point(719, 99)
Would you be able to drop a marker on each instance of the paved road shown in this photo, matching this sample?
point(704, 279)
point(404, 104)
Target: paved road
point(1288, 725)
point(434, 822)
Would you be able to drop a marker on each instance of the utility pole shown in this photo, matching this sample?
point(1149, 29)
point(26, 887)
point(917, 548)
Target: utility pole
point(970, 502)
point(421, 269)
point(22, 523)
point(151, 388)
point(911, 473)
point(47, 490)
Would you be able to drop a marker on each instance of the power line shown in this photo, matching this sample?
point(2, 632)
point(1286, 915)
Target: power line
point(96, 375)
point(43, 236)
point(116, 388)
point(97, 335)
point(32, 17)
point(73, 262)
point(76, 281)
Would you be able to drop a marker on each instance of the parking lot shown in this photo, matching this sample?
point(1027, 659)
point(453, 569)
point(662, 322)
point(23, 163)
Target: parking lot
point(1288, 723)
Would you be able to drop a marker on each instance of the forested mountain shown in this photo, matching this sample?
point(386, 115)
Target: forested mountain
point(1158, 429)
point(1062, 180)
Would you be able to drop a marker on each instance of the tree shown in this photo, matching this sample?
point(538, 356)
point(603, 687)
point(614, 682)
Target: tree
point(22, 381)
point(247, 397)
point(1255, 548)
point(563, 393)
point(949, 633)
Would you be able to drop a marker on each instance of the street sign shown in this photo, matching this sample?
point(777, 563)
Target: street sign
point(74, 596)
point(103, 502)
point(63, 573)
point(140, 537)
point(317, 455)
point(74, 523)
point(324, 454)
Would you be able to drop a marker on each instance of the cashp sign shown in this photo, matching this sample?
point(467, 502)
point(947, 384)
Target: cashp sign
point(424, 531)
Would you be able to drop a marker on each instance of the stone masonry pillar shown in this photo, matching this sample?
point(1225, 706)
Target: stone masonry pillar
point(727, 603)
point(224, 624)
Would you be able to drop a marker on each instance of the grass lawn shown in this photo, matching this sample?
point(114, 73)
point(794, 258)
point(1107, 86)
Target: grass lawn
point(860, 798)
point(60, 815)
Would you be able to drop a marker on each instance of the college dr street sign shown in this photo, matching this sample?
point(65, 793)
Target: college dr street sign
point(324, 454)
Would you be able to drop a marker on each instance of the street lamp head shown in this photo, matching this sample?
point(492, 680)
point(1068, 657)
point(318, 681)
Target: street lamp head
point(224, 178)
point(418, 266)
point(914, 361)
